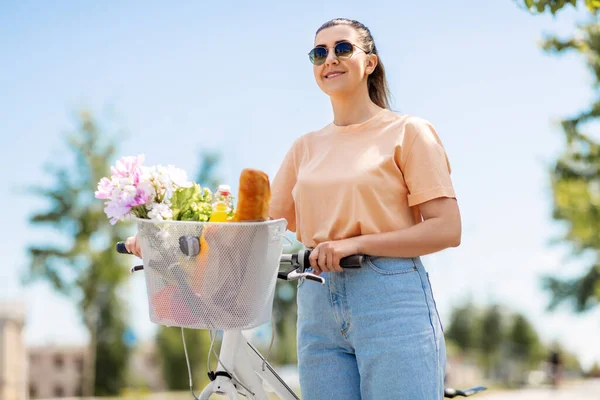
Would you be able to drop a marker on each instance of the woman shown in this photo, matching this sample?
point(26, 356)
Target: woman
point(376, 183)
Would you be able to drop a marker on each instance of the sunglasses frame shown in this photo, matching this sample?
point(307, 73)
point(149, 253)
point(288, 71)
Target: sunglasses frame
point(312, 59)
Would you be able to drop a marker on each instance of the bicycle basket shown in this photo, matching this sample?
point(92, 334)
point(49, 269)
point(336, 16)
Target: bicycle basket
point(228, 285)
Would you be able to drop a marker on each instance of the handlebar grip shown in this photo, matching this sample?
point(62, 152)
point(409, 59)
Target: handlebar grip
point(122, 249)
point(355, 261)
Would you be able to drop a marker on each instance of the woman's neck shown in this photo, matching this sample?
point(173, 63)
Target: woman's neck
point(353, 109)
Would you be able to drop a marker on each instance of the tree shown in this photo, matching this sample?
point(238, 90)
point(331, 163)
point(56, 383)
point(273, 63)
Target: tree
point(524, 342)
point(492, 335)
point(542, 6)
point(575, 181)
point(575, 176)
point(463, 327)
point(86, 267)
point(594, 371)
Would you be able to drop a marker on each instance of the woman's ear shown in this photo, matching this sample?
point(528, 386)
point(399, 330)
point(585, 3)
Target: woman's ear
point(371, 63)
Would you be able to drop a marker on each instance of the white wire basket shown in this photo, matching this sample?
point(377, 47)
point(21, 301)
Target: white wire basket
point(228, 285)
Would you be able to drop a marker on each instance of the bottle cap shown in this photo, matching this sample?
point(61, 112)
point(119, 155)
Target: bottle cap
point(224, 189)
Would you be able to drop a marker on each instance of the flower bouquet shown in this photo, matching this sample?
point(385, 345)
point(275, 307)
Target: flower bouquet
point(157, 193)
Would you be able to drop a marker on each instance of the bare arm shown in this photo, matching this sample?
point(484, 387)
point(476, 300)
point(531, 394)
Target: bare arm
point(440, 229)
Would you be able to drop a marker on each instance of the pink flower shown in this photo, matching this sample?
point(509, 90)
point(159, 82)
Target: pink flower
point(141, 197)
point(129, 167)
point(105, 189)
point(116, 211)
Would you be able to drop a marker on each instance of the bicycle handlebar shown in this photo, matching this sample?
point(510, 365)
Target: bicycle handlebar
point(299, 261)
point(121, 248)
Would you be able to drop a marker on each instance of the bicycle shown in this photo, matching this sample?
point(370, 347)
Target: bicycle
point(241, 370)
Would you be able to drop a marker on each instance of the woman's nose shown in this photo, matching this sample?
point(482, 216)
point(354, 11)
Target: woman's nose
point(331, 58)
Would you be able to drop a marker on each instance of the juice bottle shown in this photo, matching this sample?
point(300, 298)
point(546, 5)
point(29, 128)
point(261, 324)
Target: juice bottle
point(222, 204)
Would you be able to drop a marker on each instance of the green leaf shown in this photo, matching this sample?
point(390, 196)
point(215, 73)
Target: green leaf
point(540, 6)
point(592, 5)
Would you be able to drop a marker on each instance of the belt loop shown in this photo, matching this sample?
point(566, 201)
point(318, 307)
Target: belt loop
point(417, 263)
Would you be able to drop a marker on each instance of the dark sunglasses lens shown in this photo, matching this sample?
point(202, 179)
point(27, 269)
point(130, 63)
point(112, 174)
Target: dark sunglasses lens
point(343, 50)
point(318, 55)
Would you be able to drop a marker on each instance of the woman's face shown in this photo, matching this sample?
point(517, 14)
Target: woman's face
point(338, 77)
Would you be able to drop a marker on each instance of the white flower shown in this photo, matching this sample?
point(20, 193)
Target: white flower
point(160, 211)
point(178, 176)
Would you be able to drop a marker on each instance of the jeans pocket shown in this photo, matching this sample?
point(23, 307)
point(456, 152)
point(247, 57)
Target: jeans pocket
point(434, 303)
point(391, 265)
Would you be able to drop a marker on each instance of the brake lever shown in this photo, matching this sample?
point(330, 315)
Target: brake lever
point(295, 275)
point(136, 268)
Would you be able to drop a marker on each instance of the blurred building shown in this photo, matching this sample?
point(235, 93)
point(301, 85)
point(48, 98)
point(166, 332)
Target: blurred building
point(56, 371)
point(13, 354)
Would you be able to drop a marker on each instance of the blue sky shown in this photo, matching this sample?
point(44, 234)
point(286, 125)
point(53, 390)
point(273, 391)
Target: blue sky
point(180, 79)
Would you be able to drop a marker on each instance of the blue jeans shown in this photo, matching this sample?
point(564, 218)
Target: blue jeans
point(372, 333)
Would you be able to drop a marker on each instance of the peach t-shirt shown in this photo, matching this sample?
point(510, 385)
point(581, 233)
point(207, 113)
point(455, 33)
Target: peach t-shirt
point(344, 181)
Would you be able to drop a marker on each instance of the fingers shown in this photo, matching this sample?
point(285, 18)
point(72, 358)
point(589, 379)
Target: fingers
point(132, 245)
point(329, 260)
point(324, 258)
point(336, 262)
point(313, 260)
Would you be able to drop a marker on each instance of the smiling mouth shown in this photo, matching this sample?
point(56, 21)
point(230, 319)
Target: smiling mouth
point(334, 75)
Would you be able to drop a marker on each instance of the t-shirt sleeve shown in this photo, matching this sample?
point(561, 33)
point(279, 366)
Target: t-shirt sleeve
point(424, 163)
point(282, 203)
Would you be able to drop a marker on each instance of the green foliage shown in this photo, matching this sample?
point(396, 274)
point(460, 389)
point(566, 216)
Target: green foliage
point(553, 6)
point(85, 268)
point(491, 330)
point(172, 356)
point(524, 341)
point(594, 371)
point(463, 326)
point(192, 204)
point(498, 340)
point(111, 351)
point(575, 179)
point(492, 336)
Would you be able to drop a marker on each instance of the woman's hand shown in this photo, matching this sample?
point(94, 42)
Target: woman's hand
point(327, 255)
point(132, 245)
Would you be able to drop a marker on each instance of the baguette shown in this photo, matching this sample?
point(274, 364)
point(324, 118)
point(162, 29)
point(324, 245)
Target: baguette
point(254, 195)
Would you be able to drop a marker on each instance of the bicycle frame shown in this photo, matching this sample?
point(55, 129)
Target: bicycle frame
point(245, 362)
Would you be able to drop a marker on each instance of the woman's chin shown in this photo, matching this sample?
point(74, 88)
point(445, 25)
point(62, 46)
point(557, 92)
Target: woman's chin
point(334, 91)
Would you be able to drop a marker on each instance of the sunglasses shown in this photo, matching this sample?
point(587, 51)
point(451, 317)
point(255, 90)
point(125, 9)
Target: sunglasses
point(343, 51)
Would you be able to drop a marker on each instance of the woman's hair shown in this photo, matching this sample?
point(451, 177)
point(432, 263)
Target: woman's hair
point(377, 82)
